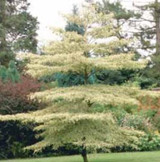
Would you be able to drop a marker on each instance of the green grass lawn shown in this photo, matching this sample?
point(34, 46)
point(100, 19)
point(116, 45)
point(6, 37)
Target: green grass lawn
point(118, 157)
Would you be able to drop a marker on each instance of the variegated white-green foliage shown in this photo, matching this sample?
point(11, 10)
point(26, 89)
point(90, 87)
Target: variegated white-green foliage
point(71, 122)
point(48, 64)
point(94, 130)
point(83, 53)
point(75, 97)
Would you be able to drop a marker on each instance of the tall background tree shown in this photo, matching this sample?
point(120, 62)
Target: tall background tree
point(122, 17)
point(141, 23)
point(147, 27)
point(17, 29)
point(147, 33)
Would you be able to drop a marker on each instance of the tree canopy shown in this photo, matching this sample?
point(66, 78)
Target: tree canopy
point(97, 48)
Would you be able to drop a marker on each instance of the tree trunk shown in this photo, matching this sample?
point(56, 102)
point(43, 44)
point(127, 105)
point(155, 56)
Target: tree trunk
point(3, 22)
point(84, 154)
point(157, 18)
point(85, 77)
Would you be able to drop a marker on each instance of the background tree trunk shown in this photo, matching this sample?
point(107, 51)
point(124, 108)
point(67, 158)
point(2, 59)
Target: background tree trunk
point(157, 18)
point(3, 43)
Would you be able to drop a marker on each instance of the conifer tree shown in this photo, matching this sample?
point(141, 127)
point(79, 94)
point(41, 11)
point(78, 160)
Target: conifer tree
point(75, 27)
point(12, 72)
point(9, 74)
point(148, 35)
point(148, 30)
point(122, 17)
point(17, 29)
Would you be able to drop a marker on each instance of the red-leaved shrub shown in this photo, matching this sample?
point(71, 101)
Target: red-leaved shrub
point(14, 97)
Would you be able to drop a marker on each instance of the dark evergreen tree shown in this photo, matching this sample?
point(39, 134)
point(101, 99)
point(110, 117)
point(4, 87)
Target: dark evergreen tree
point(73, 26)
point(17, 29)
point(146, 31)
point(148, 28)
point(148, 34)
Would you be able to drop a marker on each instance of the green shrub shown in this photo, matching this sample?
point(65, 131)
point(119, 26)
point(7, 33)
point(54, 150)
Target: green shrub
point(48, 78)
point(102, 76)
point(71, 79)
point(145, 82)
point(9, 74)
point(115, 77)
point(14, 136)
point(149, 142)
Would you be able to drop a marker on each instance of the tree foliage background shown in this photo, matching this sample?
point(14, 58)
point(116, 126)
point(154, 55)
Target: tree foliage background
point(17, 29)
